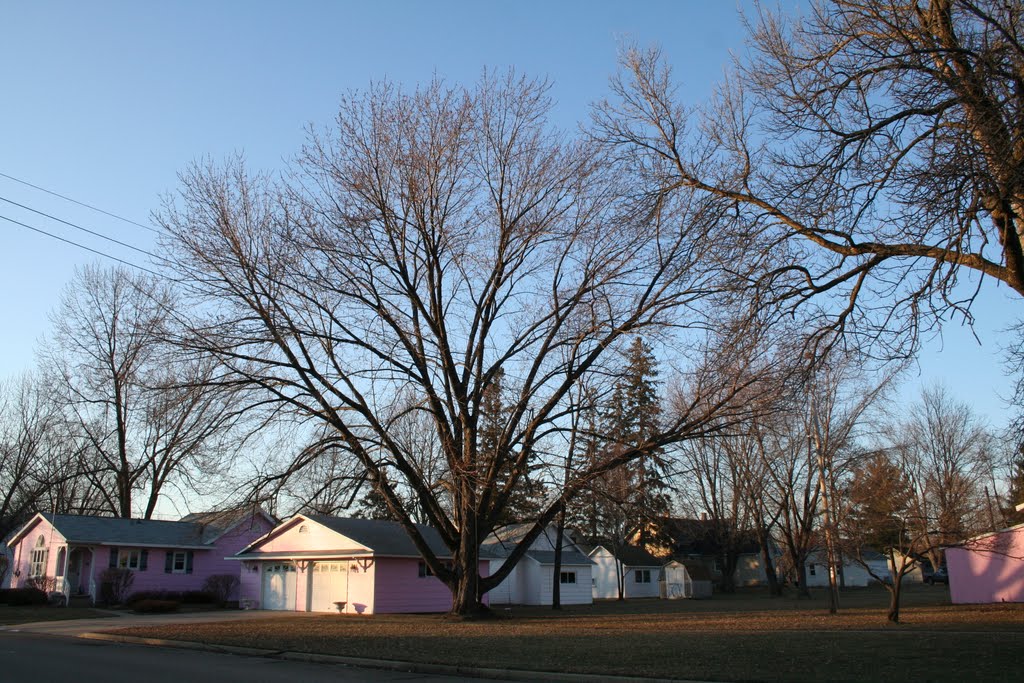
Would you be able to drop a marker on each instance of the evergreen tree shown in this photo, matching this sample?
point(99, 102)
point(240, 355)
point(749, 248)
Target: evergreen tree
point(527, 495)
point(622, 500)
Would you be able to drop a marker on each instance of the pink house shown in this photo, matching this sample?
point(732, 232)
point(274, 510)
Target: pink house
point(316, 563)
point(71, 551)
point(988, 568)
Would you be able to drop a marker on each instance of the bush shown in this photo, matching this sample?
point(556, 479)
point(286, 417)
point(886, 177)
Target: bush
point(19, 597)
point(155, 606)
point(221, 586)
point(114, 585)
point(4, 592)
point(186, 597)
point(47, 584)
point(198, 598)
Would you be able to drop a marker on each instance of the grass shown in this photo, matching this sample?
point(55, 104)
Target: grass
point(28, 614)
point(746, 637)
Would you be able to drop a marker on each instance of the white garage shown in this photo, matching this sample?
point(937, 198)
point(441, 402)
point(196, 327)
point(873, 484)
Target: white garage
point(278, 586)
point(329, 587)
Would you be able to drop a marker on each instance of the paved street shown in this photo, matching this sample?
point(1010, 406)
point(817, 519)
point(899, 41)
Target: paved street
point(33, 657)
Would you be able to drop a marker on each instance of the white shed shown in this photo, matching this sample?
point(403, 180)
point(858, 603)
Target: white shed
point(531, 581)
point(684, 580)
point(638, 570)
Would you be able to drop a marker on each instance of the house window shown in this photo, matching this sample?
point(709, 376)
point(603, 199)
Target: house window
point(718, 565)
point(128, 559)
point(37, 561)
point(567, 577)
point(811, 570)
point(642, 576)
point(178, 563)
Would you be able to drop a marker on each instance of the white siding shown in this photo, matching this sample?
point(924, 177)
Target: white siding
point(579, 593)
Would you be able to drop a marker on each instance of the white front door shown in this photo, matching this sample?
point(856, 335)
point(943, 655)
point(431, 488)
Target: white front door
point(329, 586)
point(278, 586)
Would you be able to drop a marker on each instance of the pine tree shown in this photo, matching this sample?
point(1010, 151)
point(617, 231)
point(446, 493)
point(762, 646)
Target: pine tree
point(624, 499)
point(525, 501)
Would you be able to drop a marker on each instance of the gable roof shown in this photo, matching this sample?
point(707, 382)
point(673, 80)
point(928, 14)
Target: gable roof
point(632, 556)
point(216, 523)
point(502, 541)
point(384, 538)
point(569, 557)
point(697, 537)
point(200, 530)
point(114, 531)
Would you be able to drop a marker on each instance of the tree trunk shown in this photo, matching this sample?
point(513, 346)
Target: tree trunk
point(466, 599)
point(774, 589)
point(894, 600)
point(802, 589)
point(556, 583)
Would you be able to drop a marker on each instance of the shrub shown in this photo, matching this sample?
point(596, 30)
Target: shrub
point(222, 586)
point(4, 592)
point(198, 598)
point(150, 606)
point(47, 584)
point(114, 585)
point(19, 597)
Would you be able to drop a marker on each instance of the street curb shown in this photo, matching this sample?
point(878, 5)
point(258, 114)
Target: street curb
point(385, 664)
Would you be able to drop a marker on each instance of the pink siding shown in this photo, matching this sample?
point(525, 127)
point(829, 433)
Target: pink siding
point(21, 553)
point(988, 569)
point(229, 544)
point(399, 588)
point(205, 562)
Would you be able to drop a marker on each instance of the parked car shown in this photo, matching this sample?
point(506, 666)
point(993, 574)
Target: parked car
point(940, 575)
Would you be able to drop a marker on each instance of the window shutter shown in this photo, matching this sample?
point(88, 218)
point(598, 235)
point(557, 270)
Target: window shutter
point(188, 562)
point(143, 560)
point(169, 562)
point(113, 558)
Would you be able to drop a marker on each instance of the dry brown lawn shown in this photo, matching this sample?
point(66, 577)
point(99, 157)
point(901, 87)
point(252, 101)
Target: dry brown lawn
point(747, 637)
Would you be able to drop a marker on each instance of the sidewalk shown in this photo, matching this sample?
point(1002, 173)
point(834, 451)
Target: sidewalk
point(77, 627)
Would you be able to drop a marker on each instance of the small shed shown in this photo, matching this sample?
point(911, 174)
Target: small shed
point(638, 570)
point(684, 579)
point(988, 568)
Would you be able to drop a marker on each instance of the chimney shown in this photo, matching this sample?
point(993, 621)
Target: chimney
point(704, 516)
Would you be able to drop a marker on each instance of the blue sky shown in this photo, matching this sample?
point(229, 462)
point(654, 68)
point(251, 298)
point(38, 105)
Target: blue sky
point(106, 101)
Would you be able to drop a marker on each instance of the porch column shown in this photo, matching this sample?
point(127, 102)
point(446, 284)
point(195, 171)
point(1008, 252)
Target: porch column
point(66, 588)
point(92, 571)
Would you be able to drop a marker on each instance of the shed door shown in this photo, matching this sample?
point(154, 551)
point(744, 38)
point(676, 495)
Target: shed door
point(278, 586)
point(329, 586)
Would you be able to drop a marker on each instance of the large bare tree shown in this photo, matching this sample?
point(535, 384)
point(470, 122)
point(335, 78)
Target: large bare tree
point(146, 416)
point(428, 243)
point(873, 148)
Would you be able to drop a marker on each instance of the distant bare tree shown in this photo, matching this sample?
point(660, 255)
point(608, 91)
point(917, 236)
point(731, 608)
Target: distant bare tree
point(871, 147)
point(434, 240)
point(944, 452)
point(146, 416)
point(36, 455)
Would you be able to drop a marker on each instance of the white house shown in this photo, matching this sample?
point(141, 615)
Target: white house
point(854, 573)
point(638, 570)
point(531, 580)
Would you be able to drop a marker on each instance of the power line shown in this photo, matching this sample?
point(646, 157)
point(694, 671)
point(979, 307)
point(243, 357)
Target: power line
point(78, 227)
point(82, 246)
point(75, 201)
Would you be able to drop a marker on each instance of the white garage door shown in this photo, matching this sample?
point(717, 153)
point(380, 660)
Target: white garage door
point(278, 586)
point(330, 586)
